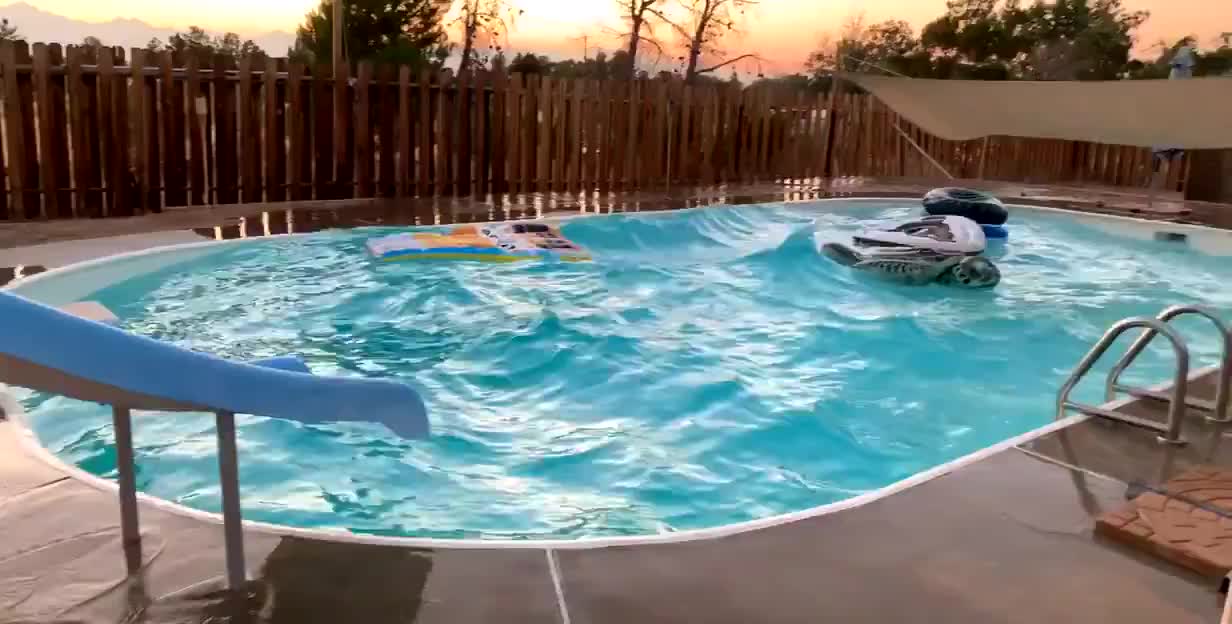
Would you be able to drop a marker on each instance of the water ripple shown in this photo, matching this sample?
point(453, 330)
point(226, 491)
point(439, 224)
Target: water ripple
point(710, 367)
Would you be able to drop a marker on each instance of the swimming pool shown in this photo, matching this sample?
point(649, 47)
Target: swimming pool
point(709, 368)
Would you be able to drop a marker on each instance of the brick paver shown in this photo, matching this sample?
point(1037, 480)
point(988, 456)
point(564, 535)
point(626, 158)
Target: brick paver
point(1176, 530)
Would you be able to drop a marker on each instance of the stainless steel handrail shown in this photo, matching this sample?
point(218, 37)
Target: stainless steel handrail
point(1219, 409)
point(228, 470)
point(1171, 433)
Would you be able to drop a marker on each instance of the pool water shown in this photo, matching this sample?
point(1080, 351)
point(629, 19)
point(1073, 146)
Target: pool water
point(709, 367)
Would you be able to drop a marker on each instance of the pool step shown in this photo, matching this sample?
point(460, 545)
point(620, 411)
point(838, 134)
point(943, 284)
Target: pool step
point(1177, 399)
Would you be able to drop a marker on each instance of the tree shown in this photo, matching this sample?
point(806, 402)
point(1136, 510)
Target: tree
point(1065, 39)
point(392, 31)
point(791, 83)
point(995, 40)
point(499, 64)
point(890, 46)
point(638, 15)
point(528, 63)
point(481, 19)
point(1210, 62)
point(195, 42)
point(92, 42)
point(198, 43)
point(702, 29)
point(1217, 62)
point(8, 32)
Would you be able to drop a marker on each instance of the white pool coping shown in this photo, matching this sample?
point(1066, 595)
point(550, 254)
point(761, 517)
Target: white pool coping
point(29, 441)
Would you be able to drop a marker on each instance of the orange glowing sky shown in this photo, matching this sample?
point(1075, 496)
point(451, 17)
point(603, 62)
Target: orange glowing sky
point(783, 31)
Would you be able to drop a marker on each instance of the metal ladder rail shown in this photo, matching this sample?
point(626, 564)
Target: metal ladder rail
point(228, 471)
point(1170, 433)
point(1218, 409)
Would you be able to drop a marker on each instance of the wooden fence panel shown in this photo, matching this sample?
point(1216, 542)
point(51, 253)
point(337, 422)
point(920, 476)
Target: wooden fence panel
point(274, 132)
point(543, 135)
point(50, 173)
point(344, 134)
point(461, 135)
point(57, 89)
point(323, 133)
point(633, 136)
point(405, 171)
point(440, 158)
point(175, 164)
point(197, 108)
point(81, 113)
point(14, 134)
point(226, 165)
point(423, 179)
point(299, 165)
point(559, 130)
point(498, 145)
point(479, 122)
point(139, 115)
point(86, 134)
point(153, 139)
point(107, 139)
point(363, 131)
point(44, 125)
point(250, 139)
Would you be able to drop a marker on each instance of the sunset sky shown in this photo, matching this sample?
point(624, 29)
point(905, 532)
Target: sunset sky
point(783, 31)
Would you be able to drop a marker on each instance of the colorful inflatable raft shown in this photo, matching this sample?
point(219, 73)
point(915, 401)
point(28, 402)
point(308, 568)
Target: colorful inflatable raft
point(503, 242)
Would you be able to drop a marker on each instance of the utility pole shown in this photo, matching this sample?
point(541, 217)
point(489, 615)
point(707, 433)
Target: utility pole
point(336, 36)
point(341, 94)
point(585, 39)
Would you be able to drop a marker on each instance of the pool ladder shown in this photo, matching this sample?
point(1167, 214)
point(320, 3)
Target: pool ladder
point(1178, 400)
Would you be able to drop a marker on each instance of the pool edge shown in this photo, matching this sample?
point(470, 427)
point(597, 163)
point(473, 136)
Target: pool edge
point(29, 442)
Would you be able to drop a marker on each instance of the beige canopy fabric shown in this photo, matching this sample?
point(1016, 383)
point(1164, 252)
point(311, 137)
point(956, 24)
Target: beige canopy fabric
point(1188, 114)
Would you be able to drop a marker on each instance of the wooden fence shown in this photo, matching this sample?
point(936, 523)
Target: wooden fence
point(87, 134)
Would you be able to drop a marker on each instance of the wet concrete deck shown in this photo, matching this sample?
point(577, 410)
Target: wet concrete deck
point(1005, 539)
point(231, 221)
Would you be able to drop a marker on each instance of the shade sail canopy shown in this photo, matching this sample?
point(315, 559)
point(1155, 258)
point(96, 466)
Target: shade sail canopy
point(1187, 114)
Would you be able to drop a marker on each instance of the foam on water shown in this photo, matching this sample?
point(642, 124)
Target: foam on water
point(710, 367)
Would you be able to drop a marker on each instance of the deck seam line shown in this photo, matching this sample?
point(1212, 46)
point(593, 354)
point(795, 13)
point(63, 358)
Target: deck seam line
point(1065, 464)
point(557, 585)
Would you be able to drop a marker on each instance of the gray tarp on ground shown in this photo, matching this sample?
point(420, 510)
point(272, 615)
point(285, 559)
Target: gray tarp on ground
point(1187, 114)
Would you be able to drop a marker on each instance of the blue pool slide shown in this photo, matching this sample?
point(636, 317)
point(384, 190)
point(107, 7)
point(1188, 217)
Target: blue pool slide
point(46, 349)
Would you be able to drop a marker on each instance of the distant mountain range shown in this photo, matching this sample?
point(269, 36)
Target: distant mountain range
point(37, 25)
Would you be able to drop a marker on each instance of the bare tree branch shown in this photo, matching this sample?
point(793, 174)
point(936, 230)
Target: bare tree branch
point(640, 16)
point(481, 17)
point(703, 26)
point(707, 70)
point(666, 20)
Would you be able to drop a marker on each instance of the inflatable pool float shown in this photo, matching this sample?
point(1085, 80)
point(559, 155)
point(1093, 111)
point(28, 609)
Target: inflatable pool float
point(981, 207)
point(504, 242)
point(949, 234)
point(942, 250)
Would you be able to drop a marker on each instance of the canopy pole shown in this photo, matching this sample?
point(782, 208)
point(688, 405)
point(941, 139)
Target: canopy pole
point(828, 130)
point(897, 127)
point(923, 153)
point(983, 158)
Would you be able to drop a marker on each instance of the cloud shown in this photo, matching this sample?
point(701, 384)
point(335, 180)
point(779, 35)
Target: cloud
point(37, 25)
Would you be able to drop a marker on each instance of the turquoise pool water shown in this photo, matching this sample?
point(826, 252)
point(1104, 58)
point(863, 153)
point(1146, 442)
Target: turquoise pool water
point(710, 367)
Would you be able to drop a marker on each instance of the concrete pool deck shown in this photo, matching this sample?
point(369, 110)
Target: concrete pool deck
point(246, 220)
point(1008, 538)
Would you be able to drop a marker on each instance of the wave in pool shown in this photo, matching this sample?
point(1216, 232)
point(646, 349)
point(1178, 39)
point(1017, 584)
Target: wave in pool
point(709, 367)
